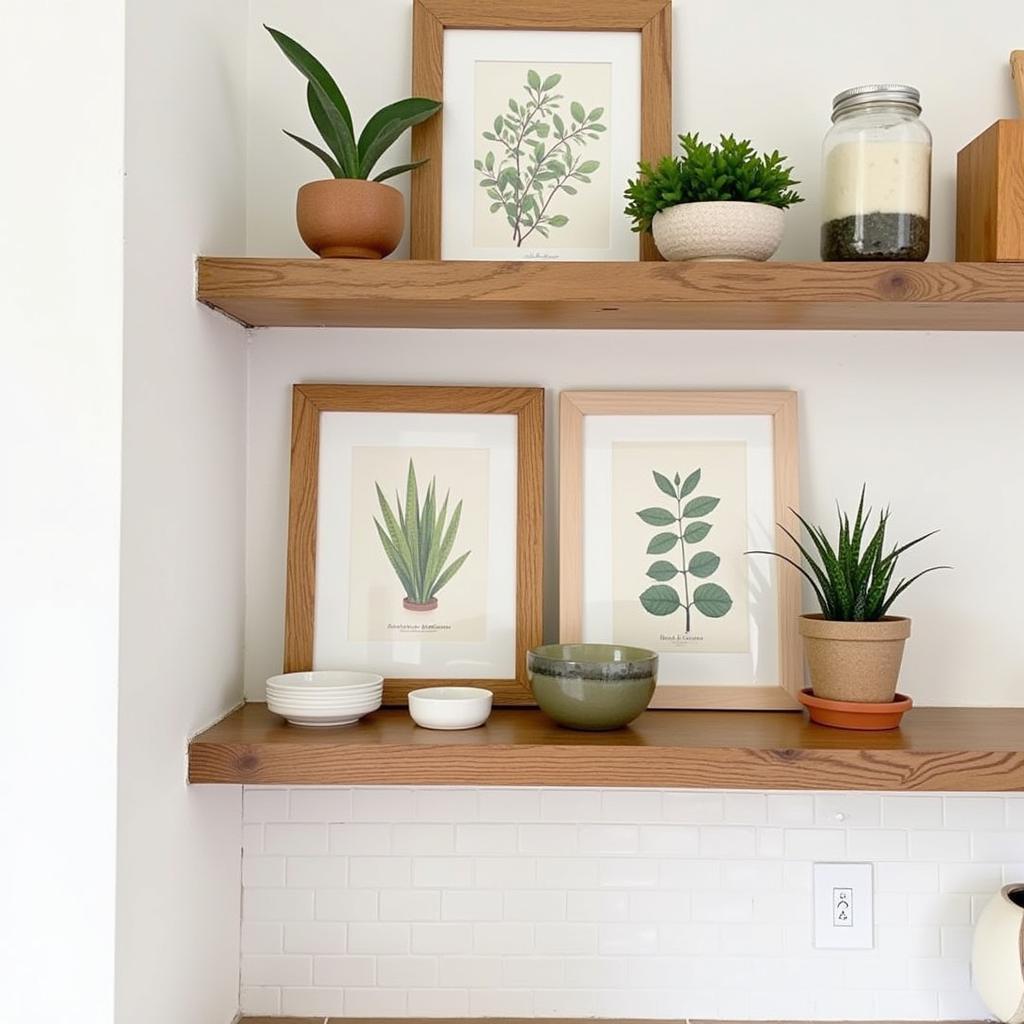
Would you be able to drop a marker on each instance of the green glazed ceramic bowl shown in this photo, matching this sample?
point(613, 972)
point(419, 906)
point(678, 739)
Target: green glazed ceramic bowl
point(592, 686)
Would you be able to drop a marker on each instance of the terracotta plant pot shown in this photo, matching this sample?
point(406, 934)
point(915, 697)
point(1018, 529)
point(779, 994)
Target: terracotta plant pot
point(854, 661)
point(414, 606)
point(853, 714)
point(724, 230)
point(347, 217)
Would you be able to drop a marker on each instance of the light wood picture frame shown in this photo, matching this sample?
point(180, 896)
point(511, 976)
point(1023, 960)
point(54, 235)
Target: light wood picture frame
point(524, 462)
point(774, 413)
point(652, 19)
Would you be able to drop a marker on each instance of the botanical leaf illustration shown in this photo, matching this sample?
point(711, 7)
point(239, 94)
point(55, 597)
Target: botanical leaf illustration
point(709, 599)
point(418, 540)
point(696, 532)
point(712, 600)
point(657, 517)
point(538, 158)
point(662, 571)
point(660, 600)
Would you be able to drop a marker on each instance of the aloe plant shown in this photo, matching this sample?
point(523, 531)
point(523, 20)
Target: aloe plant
point(418, 540)
point(346, 156)
point(853, 582)
point(709, 599)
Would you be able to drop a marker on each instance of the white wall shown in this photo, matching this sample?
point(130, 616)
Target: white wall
point(618, 903)
point(183, 513)
point(60, 416)
point(765, 72)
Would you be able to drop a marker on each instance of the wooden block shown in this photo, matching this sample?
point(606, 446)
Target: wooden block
point(990, 196)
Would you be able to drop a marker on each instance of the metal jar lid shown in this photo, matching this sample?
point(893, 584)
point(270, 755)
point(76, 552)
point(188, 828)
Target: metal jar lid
point(861, 95)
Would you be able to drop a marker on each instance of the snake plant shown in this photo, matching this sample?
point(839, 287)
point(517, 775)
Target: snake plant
point(418, 540)
point(346, 156)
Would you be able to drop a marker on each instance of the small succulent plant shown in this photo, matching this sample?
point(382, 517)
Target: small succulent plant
point(346, 156)
point(706, 173)
point(853, 582)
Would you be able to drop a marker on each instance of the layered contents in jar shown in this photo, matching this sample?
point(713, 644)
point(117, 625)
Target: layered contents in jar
point(877, 198)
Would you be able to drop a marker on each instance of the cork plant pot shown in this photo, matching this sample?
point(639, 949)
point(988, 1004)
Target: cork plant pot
point(349, 217)
point(857, 662)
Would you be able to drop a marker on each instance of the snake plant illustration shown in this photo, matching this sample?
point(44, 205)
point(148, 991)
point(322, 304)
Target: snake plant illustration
point(418, 541)
point(538, 156)
point(660, 599)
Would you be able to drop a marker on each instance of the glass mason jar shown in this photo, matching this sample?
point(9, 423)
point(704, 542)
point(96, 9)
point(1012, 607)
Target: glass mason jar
point(877, 168)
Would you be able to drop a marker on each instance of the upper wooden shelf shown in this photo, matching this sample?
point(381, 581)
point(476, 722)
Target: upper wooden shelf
point(706, 296)
point(945, 749)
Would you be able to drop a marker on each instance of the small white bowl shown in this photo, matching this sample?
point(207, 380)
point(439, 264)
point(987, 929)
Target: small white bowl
point(450, 707)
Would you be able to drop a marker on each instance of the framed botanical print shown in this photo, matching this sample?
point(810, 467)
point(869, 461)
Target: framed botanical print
point(663, 493)
point(415, 533)
point(548, 107)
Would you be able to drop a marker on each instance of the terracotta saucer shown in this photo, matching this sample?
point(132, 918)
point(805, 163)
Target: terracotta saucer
point(848, 714)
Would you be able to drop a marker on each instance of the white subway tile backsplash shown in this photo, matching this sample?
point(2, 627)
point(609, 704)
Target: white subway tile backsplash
point(423, 839)
point(316, 872)
point(315, 937)
point(346, 905)
point(295, 838)
point(263, 872)
point(276, 970)
point(308, 1002)
point(392, 901)
point(328, 805)
point(344, 971)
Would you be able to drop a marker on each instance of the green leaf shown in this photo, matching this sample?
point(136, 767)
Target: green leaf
point(533, 79)
point(396, 561)
point(400, 169)
point(662, 571)
point(558, 221)
point(677, 482)
point(662, 542)
point(660, 600)
point(595, 113)
point(665, 485)
point(577, 111)
point(696, 532)
point(329, 105)
point(332, 165)
point(550, 82)
point(690, 484)
point(559, 125)
point(699, 506)
point(387, 125)
point(446, 576)
point(312, 69)
point(588, 166)
point(657, 516)
point(412, 522)
point(703, 564)
point(499, 124)
point(711, 600)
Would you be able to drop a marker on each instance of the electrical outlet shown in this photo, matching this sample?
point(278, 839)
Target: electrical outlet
point(843, 906)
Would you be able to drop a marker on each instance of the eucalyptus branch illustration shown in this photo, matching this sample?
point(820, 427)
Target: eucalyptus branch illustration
point(539, 156)
point(418, 542)
point(660, 599)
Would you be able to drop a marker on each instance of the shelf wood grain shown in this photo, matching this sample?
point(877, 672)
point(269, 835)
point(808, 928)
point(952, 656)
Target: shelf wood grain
point(942, 749)
point(708, 296)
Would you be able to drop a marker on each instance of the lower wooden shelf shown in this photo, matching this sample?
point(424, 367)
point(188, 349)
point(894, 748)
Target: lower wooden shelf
point(940, 749)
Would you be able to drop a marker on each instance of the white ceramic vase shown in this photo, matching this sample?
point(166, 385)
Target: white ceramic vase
point(718, 231)
point(998, 957)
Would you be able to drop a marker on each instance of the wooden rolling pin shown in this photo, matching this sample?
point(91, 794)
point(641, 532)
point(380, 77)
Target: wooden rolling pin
point(1017, 73)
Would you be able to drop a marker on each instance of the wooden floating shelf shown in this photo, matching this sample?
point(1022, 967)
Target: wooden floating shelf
point(943, 749)
point(705, 296)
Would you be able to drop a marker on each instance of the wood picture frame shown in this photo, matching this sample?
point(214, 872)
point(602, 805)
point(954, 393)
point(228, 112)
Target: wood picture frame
point(309, 403)
point(781, 406)
point(652, 19)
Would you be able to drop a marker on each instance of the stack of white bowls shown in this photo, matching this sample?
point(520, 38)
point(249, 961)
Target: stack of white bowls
point(324, 698)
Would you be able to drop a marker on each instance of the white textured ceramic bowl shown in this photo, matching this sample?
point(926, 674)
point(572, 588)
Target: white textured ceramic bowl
point(724, 230)
point(324, 680)
point(450, 707)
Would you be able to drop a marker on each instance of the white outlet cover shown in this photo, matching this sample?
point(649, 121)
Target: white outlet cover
point(844, 912)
